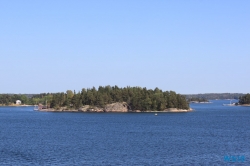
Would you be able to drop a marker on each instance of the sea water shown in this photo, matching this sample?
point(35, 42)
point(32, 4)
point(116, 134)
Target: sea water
point(210, 135)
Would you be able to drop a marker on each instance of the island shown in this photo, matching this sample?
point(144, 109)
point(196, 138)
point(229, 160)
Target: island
point(215, 96)
point(244, 100)
point(112, 99)
point(197, 100)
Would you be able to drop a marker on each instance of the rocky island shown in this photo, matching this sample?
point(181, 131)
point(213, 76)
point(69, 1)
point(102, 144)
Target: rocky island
point(114, 99)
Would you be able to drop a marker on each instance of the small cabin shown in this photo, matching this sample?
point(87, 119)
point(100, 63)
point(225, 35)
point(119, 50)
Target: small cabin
point(18, 102)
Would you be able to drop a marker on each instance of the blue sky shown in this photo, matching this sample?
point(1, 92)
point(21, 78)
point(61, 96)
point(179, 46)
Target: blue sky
point(185, 46)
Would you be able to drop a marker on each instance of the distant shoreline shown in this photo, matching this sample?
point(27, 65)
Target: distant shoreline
point(16, 105)
point(243, 105)
point(202, 102)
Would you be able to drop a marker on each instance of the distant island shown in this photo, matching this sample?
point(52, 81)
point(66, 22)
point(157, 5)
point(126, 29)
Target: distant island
point(197, 100)
point(214, 96)
point(106, 99)
point(244, 100)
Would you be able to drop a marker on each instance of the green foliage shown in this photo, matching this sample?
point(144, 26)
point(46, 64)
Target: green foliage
point(244, 99)
point(213, 96)
point(197, 99)
point(24, 99)
point(10, 99)
point(136, 97)
point(70, 94)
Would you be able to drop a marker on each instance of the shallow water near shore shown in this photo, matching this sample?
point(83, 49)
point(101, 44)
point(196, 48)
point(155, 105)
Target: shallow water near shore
point(201, 137)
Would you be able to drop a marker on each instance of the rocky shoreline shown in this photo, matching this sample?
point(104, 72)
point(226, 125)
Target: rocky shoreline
point(114, 107)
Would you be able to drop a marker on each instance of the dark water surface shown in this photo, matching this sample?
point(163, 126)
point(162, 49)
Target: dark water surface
point(201, 137)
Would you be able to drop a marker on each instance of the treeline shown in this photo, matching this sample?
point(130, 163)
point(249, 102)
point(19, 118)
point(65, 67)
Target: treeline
point(10, 99)
point(136, 97)
point(26, 99)
point(244, 99)
point(213, 96)
point(193, 99)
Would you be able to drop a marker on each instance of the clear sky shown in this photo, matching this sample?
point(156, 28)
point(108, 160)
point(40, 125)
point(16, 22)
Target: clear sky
point(195, 46)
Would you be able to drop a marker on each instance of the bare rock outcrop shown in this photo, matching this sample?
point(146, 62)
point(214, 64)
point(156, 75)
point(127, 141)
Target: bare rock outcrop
point(116, 107)
point(87, 108)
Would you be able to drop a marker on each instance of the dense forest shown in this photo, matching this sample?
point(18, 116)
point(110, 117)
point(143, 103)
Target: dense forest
point(9, 99)
point(244, 99)
point(136, 97)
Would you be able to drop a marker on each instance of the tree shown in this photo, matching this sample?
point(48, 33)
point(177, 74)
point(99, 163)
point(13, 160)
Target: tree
point(244, 99)
point(24, 99)
point(70, 94)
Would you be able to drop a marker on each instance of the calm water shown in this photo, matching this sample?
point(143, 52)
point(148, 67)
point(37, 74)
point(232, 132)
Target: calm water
point(202, 137)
